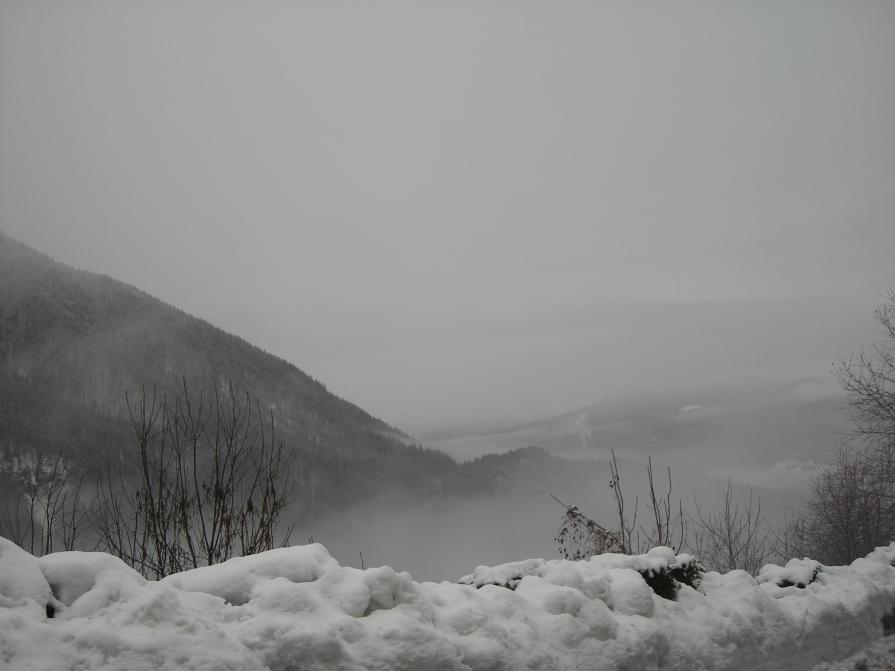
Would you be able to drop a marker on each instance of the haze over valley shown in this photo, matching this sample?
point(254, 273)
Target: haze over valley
point(80, 348)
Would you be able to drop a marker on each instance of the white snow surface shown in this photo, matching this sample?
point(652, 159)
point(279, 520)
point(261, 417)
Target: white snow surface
point(297, 608)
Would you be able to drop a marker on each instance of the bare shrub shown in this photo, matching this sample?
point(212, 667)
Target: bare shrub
point(734, 537)
point(851, 508)
point(869, 379)
point(45, 512)
point(793, 540)
point(212, 483)
point(580, 536)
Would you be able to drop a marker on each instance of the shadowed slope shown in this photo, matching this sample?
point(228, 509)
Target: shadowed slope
point(72, 343)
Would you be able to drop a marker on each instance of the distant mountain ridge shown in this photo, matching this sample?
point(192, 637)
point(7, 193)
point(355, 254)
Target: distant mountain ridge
point(73, 342)
point(787, 427)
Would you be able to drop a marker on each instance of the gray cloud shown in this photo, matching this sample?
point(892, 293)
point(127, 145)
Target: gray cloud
point(459, 211)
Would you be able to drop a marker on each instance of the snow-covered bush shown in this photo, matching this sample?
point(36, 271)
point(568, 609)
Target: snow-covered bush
point(662, 570)
point(797, 573)
point(666, 580)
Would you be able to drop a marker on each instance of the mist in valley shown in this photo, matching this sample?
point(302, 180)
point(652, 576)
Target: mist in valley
point(447, 538)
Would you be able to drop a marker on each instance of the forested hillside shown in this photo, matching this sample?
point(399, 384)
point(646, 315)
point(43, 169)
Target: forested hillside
point(74, 343)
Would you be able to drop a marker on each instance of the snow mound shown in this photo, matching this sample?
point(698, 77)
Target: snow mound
point(21, 580)
point(298, 608)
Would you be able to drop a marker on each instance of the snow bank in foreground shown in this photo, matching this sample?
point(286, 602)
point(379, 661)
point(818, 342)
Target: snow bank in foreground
point(297, 608)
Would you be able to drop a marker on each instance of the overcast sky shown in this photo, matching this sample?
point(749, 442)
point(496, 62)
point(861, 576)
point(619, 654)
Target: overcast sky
point(463, 211)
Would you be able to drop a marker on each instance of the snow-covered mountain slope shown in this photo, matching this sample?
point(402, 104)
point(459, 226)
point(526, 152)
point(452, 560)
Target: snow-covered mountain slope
point(297, 608)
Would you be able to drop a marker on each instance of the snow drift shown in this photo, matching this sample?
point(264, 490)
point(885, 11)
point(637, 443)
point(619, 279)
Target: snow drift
point(297, 608)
